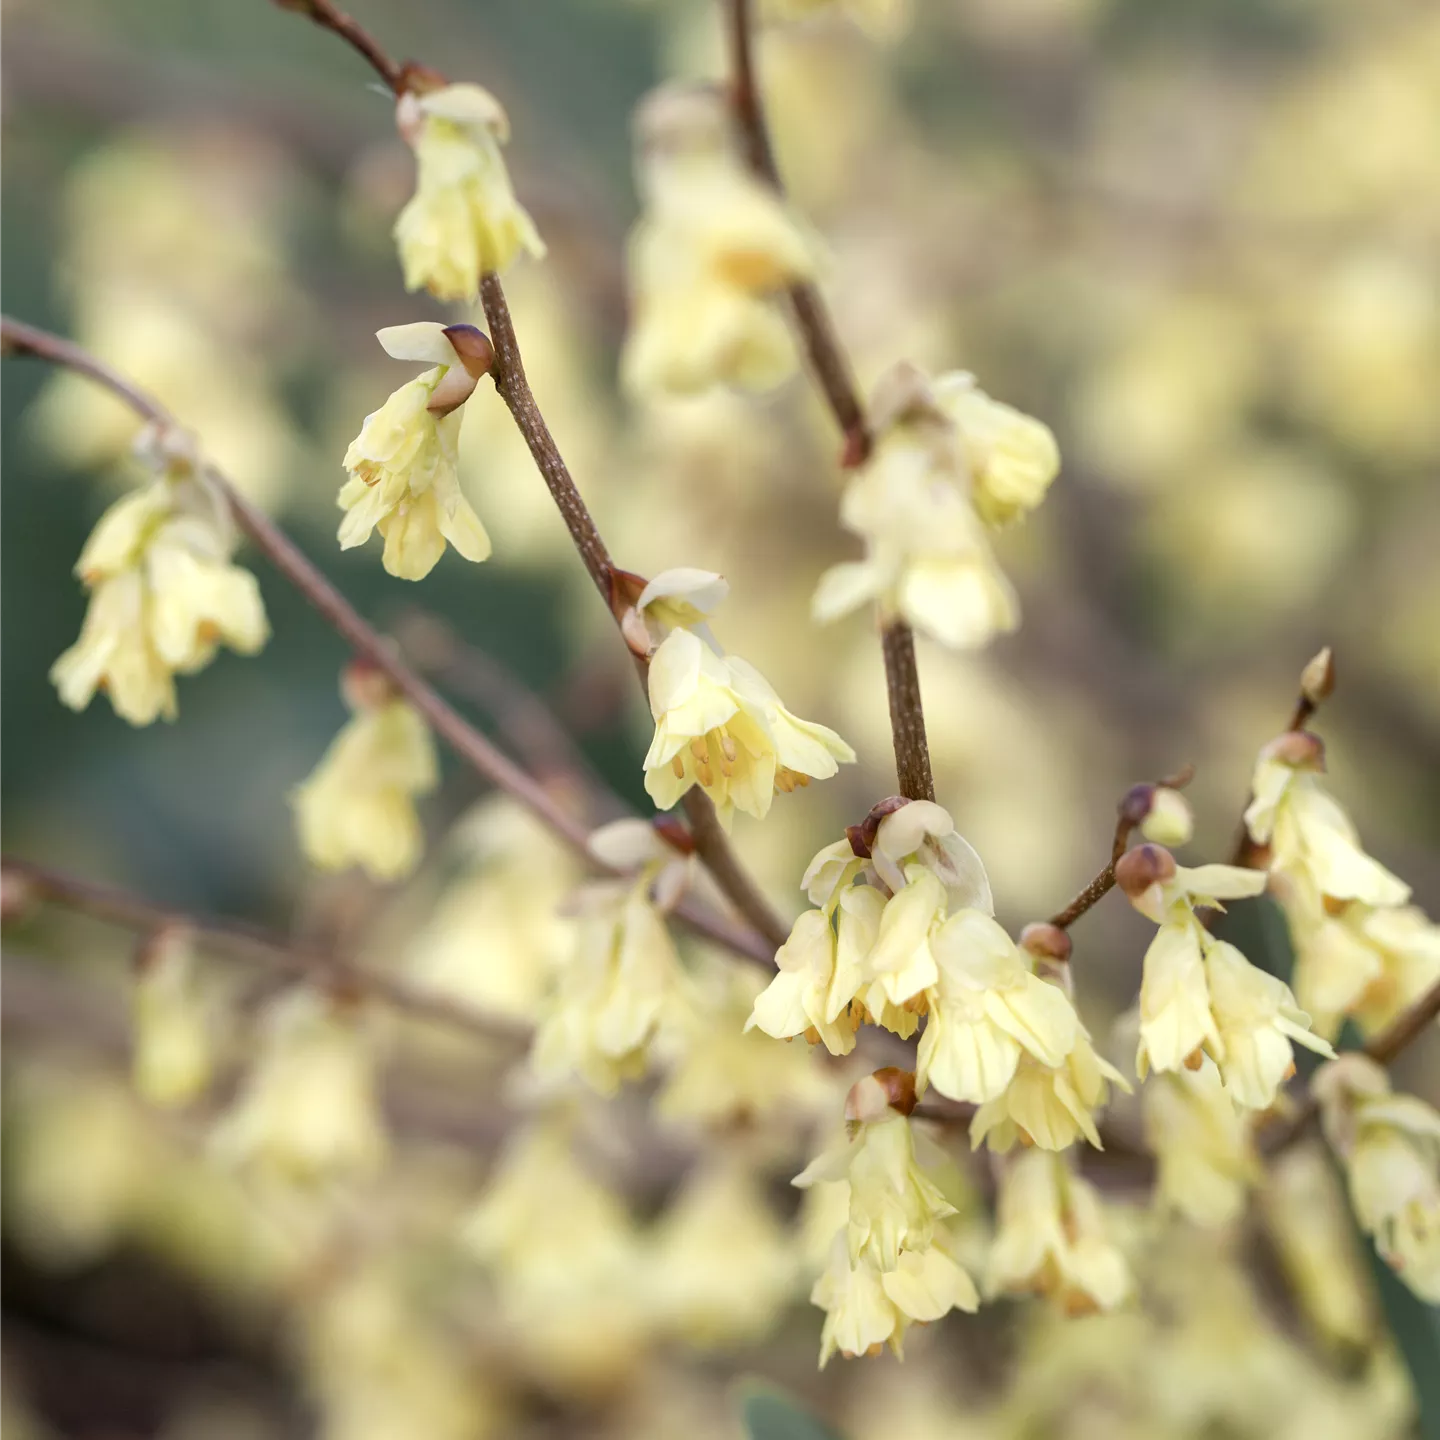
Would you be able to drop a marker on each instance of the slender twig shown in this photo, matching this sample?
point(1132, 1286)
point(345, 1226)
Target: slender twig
point(243, 941)
point(833, 374)
point(330, 16)
point(467, 742)
point(1126, 822)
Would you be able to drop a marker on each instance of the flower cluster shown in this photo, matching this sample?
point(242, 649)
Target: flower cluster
point(1390, 1147)
point(1200, 996)
point(463, 220)
point(949, 465)
point(163, 593)
point(402, 464)
point(893, 1264)
point(712, 250)
point(358, 806)
point(1360, 950)
point(718, 722)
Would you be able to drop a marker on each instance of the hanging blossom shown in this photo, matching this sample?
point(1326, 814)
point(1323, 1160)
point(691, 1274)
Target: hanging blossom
point(1390, 1147)
point(402, 464)
point(163, 593)
point(1200, 996)
point(879, 19)
point(463, 219)
point(1052, 1239)
point(864, 952)
point(173, 1055)
point(711, 254)
point(619, 983)
point(718, 722)
point(948, 465)
point(308, 1110)
point(893, 1264)
point(358, 806)
point(1049, 1105)
point(1309, 835)
point(1203, 1146)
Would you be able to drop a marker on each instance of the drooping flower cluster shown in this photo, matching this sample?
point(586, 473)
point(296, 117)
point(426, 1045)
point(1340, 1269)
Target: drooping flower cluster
point(710, 254)
point(358, 806)
point(718, 722)
point(463, 219)
point(893, 1263)
point(1051, 1239)
point(402, 464)
point(948, 466)
point(1360, 950)
point(163, 593)
point(619, 981)
point(1390, 1147)
point(1200, 996)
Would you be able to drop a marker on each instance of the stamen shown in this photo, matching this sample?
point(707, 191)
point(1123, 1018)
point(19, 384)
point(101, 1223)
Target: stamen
point(704, 774)
point(678, 766)
point(700, 749)
point(784, 780)
point(728, 747)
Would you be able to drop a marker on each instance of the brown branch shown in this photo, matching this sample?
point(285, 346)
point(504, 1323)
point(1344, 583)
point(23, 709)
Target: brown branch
point(467, 742)
point(1128, 817)
point(907, 717)
point(329, 16)
point(244, 941)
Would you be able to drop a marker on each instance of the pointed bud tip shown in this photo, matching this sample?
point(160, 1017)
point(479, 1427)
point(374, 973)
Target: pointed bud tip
point(1317, 679)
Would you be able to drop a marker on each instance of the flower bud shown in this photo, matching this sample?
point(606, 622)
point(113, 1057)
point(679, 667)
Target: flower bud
point(1298, 749)
point(1146, 865)
point(873, 1097)
point(365, 686)
point(1317, 679)
point(17, 895)
point(1046, 941)
point(1169, 820)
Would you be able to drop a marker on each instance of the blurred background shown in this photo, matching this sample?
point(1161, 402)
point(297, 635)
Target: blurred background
point(1198, 237)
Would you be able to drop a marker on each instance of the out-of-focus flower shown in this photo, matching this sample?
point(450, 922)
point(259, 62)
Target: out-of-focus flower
point(1052, 1239)
point(1199, 995)
point(1390, 1147)
point(358, 806)
point(173, 1055)
point(463, 219)
point(308, 1110)
point(712, 249)
point(880, 19)
point(1309, 834)
point(722, 1265)
point(163, 594)
point(947, 461)
point(1202, 1144)
point(719, 725)
point(402, 464)
point(891, 1266)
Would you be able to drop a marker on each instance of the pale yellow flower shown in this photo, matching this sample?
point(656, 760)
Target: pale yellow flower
point(1011, 457)
point(1390, 1147)
point(402, 464)
point(719, 725)
point(308, 1110)
point(986, 1010)
point(164, 596)
point(1052, 1239)
point(1308, 832)
point(880, 19)
point(713, 248)
point(1202, 1145)
point(812, 991)
point(358, 806)
point(463, 219)
point(173, 1056)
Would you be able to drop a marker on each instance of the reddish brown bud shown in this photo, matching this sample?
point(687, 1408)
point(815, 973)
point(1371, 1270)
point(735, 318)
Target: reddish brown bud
point(1298, 749)
point(17, 895)
point(365, 686)
point(473, 347)
point(674, 834)
point(1146, 865)
point(1046, 941)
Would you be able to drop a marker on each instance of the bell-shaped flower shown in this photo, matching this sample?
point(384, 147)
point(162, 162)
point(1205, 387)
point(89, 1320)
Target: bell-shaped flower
point(1390, 1147)
point(402, 464)
point(173, 1056)
point(308, 1110)
point(611, 994)
point(713, 250)
point(1203, 1149)
point(1308, 833)
point(891, 1265)
point(163, 597)
point(463, 220)
point(719, 725)
point(987, 1009)
point(358, 805)
point(1012, 458)
point(1052, 1240)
